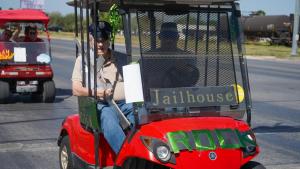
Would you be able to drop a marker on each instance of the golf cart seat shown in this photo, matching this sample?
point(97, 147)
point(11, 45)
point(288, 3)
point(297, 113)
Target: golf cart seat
point(183, 74)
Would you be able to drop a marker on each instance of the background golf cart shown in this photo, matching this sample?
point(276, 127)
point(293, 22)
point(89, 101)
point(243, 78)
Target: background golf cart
point(210, 67)
point(25, 66)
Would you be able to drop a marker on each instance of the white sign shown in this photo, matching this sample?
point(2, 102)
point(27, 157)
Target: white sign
point(20, 54)
point(133, 83)
point(33, 4)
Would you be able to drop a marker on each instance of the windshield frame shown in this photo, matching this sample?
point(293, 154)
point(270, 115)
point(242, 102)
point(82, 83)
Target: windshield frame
point(239, 58)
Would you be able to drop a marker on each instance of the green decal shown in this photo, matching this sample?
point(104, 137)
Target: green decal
point(199, 145)
point(204, 140)
point(179, 140)
point(232, 140)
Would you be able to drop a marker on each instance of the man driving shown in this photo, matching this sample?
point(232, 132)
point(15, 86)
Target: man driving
point(109, 84)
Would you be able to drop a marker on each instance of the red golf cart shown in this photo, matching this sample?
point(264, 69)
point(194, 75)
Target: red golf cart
point(196, 107)
point(24, 62)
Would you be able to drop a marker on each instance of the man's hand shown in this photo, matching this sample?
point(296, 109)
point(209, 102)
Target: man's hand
point(19, 28)
point(104, 94)
point(79, 90)
point(108, 94)
point(15, 36)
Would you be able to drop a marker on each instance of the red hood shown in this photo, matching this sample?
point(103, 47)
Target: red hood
point(160, 128)
point(227, 158)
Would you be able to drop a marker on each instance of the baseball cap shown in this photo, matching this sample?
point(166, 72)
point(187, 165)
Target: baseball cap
point(168, 30)
point(103, 30)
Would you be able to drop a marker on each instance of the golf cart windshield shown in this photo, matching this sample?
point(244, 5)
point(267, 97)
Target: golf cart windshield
point(24, 53)
point(190, 63)
point(26, 48)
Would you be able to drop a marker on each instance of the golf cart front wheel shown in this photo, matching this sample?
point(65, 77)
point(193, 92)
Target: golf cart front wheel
point(253, 165)
point(65, 158)
point(48, 94)
point(4, 92)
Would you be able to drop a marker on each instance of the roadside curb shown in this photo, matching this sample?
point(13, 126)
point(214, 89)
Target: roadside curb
point(272, 58)
point(59, 38)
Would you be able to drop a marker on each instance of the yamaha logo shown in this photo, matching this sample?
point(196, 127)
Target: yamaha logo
point(212, 155)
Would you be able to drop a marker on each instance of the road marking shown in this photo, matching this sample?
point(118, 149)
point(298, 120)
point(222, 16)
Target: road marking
point(273, 58)
point(285, 166)
point(28, 147)
point(273, 133)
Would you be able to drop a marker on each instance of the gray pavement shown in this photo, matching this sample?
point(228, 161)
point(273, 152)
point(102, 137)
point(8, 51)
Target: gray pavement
point(275, 86)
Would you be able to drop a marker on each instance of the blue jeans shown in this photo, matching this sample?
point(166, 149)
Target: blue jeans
point(110, 125)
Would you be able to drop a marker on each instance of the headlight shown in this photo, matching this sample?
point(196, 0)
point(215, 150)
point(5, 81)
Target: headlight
point(250, 149)
point(249, 140)
point(251, 136)
point(160, 149)
point(163, 153)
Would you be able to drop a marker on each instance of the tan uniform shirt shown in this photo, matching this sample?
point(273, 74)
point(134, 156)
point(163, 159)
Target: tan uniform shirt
point(107, 75)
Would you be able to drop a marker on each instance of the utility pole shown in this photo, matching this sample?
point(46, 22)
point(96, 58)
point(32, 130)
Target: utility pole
point(296, 29)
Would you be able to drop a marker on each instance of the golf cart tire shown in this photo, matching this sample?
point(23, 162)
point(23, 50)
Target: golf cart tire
point(4, 92)
point(65, 146)
point(48, 95)
point(253, 165)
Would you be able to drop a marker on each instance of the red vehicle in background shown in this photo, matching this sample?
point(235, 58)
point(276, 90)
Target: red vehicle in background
point(196, 106)
point(25, 63)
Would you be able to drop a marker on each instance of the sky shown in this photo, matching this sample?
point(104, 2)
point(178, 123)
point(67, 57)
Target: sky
point(271, 7)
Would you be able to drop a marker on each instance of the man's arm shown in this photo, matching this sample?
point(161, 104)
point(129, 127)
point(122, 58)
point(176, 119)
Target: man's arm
point(16, 34)
point(79, 90)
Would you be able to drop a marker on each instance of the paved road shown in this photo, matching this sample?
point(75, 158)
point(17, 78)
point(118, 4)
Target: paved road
point(276, 115)
point(28, 131)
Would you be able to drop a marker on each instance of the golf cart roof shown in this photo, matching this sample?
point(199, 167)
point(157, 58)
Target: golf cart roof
point(24, 15)
point(106, 4)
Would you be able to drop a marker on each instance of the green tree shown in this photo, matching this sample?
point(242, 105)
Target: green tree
point(69, 22)
point(258, 13)
point(56, 19)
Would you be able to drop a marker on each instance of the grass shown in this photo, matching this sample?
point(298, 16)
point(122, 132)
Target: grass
point(264, 49)
point(251, 48)
point(59, 35)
